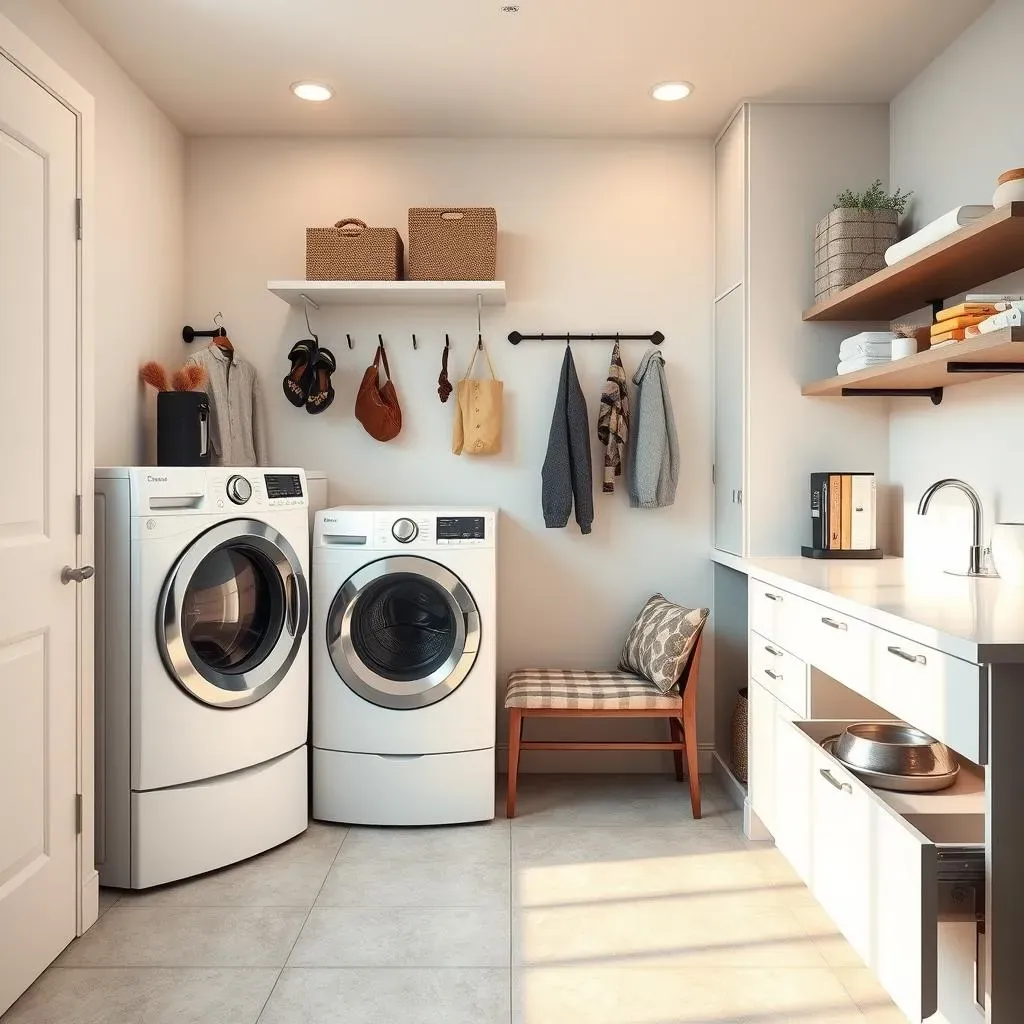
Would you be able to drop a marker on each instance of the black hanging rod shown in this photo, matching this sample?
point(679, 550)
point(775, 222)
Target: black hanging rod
point(957, 367)
point(189, 334)
point(656, 338)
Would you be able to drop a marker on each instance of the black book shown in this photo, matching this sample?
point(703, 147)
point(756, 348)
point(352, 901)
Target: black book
point(819, 510)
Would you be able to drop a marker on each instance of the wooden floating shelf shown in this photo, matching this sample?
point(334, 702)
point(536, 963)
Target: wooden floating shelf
point(390, 293)
point(931, 371)
point(980, 252)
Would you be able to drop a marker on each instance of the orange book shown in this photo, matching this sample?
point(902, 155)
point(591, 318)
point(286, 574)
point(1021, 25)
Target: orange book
point(956, 322)
point(835, 511)
point(846, 522)
point(959, 335)
point(981, 309)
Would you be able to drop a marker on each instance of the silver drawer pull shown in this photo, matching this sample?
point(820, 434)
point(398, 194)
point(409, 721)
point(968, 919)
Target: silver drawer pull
point(772, 675)
point(772, 597)
point(774, 653)
point(918, 659)
point(834, 623)
point(843, 787)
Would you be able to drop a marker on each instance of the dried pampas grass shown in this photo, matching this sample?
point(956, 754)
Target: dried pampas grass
point(189, 378)
point(154, 375)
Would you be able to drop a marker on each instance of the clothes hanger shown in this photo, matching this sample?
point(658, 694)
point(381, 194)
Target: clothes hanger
point(221, 339)
point(312, 333)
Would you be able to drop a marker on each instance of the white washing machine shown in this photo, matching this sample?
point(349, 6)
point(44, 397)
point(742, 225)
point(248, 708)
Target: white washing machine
point(404, 665)
point(202, 668)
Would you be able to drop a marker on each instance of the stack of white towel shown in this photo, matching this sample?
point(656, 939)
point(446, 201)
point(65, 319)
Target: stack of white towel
point(869, 348)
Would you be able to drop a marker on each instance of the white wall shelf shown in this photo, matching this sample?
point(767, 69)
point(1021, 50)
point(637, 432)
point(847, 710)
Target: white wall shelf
point(390, 293)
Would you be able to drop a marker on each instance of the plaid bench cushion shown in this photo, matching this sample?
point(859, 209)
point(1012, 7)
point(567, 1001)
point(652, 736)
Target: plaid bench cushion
point(585, 689)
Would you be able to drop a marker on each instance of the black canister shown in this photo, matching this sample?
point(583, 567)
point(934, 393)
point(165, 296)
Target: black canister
point(182, 428)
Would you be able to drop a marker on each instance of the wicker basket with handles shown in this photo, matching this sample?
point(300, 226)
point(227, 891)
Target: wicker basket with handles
point(452, 243)
point(350, 251)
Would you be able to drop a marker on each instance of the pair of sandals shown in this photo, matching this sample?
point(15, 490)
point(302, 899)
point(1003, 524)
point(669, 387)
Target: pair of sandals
point(309, 381)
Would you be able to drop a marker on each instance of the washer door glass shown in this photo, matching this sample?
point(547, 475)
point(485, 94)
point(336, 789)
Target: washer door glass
point(232, 613)
point(403, 632)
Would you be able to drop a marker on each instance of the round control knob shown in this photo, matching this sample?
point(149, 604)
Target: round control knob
point(404, 531)
point(239, 490)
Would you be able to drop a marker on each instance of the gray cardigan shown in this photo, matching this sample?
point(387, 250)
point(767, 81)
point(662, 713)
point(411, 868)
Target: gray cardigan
point(567, 473)
point(236, 425)
point(654, 445)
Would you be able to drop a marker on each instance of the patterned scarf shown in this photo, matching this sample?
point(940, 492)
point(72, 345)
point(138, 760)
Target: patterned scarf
point(613, 422)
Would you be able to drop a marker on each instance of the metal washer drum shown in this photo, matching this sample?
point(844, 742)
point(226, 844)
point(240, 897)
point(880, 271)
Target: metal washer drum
point(398, 693)
point(276, 652)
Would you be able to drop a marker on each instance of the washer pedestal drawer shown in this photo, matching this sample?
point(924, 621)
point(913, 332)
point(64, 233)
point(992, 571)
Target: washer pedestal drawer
point(394, 789)
point(185, 830)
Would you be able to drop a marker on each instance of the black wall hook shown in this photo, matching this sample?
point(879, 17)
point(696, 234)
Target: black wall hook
point(189, 334)
point(348, 338)
point(414, 345)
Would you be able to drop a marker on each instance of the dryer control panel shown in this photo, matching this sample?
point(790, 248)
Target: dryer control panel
point(403, 529)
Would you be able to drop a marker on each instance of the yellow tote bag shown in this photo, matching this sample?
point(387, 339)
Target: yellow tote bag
point(477, 428)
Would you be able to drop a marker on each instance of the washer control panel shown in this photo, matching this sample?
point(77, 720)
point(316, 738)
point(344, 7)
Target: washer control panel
point(412, 529)
point(453, 529)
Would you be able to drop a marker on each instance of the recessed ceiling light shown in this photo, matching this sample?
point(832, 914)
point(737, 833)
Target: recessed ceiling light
point(315, 92)
point(670, 91)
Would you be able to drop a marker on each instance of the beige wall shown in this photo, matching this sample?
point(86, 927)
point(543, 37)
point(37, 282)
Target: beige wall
point(595, 236)
point(139, 223)
point(976, 432)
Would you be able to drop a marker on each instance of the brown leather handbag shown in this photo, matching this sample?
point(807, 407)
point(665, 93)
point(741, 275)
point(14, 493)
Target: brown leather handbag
point(377, 405)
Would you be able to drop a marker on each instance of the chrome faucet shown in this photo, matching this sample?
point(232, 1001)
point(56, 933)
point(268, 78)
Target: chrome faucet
point(976, 566)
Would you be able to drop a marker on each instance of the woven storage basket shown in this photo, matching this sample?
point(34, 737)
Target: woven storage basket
point(850, 245)
point(452, 244)
point(739, 736)
point(350, 251)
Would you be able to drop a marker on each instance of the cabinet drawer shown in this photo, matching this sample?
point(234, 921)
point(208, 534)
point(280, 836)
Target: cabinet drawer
point(777, 615)
point(876, 870)
point(779, 672)
point(839, 645)
point(942, 695)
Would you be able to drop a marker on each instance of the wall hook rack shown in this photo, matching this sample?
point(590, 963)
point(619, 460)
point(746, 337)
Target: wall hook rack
point(655, 339)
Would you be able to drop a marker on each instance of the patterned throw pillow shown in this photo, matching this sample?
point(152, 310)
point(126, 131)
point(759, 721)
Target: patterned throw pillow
point(662, 638)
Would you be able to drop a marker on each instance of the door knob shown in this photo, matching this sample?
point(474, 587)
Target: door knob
point(69, 575)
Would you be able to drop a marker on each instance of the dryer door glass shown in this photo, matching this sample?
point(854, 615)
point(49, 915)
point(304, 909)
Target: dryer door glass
point(232, 613)
point(403, 632)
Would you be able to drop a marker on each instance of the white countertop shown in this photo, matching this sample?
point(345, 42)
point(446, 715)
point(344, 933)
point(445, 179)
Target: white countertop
point(979, 620)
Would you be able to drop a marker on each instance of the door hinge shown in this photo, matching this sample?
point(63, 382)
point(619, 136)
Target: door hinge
point(78, 814)
point(78, 515)
point(78, 219)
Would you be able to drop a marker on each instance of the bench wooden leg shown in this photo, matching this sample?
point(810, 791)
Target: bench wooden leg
point(515, 735)
point(675, 727)
point(689, 726)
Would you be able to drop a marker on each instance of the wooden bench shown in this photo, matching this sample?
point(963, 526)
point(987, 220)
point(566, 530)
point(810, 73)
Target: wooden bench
point(587, 693)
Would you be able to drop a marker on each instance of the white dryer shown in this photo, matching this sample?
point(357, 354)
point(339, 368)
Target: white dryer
point(404, 665)
point(202, 670)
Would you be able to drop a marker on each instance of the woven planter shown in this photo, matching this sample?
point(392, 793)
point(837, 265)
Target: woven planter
point(452, 244)
point(850, 245)
point(350, 251)
point(739, 736)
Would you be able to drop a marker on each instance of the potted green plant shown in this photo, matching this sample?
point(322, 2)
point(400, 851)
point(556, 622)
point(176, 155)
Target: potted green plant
point(850, 243)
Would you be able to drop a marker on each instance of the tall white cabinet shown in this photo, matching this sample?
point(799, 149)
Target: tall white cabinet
point(777, 168)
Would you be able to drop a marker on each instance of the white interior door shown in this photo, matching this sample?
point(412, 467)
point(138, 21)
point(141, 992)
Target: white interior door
point(38, 476)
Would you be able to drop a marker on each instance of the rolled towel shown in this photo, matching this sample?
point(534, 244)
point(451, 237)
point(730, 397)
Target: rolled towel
point(867, 343)
point(940, 228)
point(861, 363)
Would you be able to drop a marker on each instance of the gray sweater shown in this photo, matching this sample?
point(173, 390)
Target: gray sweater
point(567, 473)
point(654, 445)
point(236, 426)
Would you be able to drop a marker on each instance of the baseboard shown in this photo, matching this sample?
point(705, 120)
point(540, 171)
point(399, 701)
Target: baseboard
point(600, 762)
point(728, 781)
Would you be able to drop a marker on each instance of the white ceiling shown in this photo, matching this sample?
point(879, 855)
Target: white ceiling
point(557, 68)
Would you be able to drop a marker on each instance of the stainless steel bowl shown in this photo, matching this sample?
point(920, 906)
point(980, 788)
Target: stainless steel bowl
point(898, 783)
point(893, 748)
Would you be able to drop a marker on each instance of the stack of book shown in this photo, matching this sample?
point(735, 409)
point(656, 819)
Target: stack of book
point(978, 314)
point(843, 512)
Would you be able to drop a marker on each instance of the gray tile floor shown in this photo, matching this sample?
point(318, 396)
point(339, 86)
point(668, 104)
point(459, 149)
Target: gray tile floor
point(603, 902)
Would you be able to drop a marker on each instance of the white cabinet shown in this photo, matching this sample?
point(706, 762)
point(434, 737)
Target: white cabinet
point(778, 167)
point(761, 753)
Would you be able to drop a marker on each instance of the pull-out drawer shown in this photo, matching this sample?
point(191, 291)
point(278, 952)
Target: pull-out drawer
point(942, 695)
point(879, 863)
point(779, 672)
point(777, 615)
point(839, 645)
